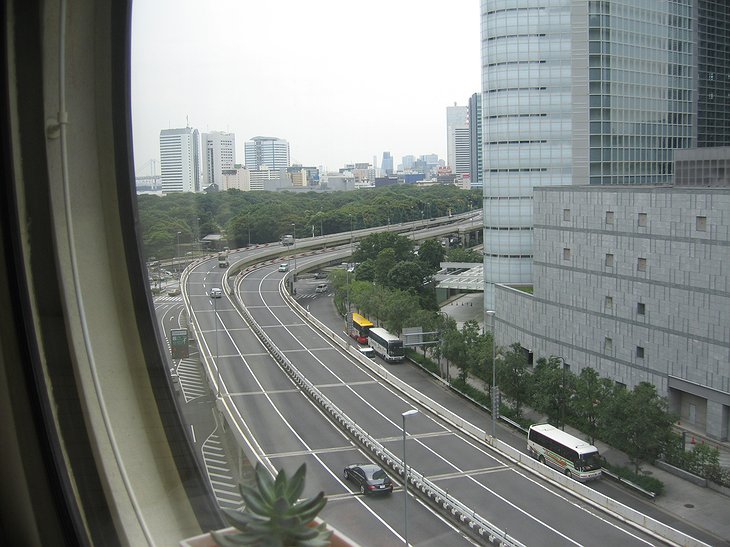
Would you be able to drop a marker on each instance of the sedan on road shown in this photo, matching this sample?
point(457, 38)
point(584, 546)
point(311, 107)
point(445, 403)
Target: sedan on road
point(369, 477)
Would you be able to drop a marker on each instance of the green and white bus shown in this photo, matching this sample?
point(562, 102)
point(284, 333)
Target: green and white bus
point(387, 345)
point(568, 454)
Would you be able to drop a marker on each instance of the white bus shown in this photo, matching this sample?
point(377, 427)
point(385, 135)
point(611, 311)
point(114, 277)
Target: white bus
point(387, 345)
point(566, 453)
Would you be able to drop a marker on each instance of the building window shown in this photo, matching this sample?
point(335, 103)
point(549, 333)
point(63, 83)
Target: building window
point(641, 265)
point(607, 344)
point(643, 219)
point(566, 215)
point(609, 217)
point(608, 302)
point(639, 352)
point(641, 308)
point(609, 260)
point(566, 253)
point(701, 224)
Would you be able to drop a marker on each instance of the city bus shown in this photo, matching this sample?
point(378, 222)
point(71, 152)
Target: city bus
point(568, 454)
point(360, 327)
point(387, 345)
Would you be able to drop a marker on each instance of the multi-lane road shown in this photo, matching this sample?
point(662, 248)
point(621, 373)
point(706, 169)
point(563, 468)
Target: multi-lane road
point(285, 428)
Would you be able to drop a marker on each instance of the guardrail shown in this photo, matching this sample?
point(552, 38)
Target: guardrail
point(478, 524)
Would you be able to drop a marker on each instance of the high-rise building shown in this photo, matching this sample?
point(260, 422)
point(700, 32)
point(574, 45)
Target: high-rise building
point(266, 152)
point(476, 168)
point(219, 154)
point(458, 147)
point(387, 166)
point(408, 162)
point(180, 160)
point(589, 92)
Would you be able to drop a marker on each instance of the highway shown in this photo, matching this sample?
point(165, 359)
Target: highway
point(285, 428)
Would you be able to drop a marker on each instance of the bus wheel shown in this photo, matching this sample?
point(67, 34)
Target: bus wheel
point(541, 459)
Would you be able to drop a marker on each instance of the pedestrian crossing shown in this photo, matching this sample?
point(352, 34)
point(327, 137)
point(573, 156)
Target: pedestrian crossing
point(224, 486)
point(191, 379)
point(314, 295)
point(166, 298)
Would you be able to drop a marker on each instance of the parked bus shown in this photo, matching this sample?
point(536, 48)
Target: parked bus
point(359, 328)
point(566, 453)
point(387, 345)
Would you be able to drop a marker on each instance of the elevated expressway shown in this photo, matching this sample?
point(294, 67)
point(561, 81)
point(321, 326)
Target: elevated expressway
point(293, 391)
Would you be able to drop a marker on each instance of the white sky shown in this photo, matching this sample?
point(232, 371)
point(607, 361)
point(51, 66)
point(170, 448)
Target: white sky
point(341, 80)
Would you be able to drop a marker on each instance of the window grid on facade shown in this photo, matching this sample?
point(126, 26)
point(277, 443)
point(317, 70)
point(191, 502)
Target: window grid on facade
point(643, 219)
point(641, 308)
point(701, 224)
point(607, 344)
point(609, 217)
point(566, 215)
point(639, 352)
point(566, 253)
point(609, 260)
point(608, 302)
point(641, 264)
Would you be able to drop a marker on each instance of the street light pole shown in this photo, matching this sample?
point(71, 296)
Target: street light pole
point(562, 397)
point(294, 247)
point(405, 475)
point(178, 252)
point(493, 315)
point(219, 391)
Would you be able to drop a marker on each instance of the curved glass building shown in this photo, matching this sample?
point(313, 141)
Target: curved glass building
point(577, 92)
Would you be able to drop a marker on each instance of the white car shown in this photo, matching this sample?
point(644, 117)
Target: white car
point(215, 292)
point(322, 287)
point(284, 267)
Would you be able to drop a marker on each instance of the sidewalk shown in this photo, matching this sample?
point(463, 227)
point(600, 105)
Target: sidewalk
point(703, 507)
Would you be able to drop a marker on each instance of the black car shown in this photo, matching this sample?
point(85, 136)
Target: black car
point(369, 477)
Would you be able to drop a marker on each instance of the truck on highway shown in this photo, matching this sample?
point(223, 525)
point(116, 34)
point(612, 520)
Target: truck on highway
point(223, 259)
point(288, 239)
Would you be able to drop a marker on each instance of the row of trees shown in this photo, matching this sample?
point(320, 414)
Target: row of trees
point(263, 217)
point(390, 287)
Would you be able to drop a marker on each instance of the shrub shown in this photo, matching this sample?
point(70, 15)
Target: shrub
point(651, 484)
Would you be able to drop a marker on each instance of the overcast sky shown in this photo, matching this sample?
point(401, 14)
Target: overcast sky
point(341, 80)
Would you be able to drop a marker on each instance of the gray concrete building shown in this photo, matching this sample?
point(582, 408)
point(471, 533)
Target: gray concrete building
point(634, 282)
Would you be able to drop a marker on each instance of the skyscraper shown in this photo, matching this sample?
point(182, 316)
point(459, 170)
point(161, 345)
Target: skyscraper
point(476, 169)
point(180, 160)
point(458, 148)
point(387, 166)
point(585, 92)
point(219, 154)
point(266, 152)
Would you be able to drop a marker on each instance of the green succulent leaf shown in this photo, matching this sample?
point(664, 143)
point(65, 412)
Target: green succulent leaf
point(296, 483)
point(264, 483)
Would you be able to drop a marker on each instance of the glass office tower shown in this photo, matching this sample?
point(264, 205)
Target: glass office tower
point(597, 92)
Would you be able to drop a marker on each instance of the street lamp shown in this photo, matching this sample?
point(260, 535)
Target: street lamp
point(493, 315)
point(407, 413)
point(219, 391)
point(562, 396)
point(294, 246)
point(178, 251)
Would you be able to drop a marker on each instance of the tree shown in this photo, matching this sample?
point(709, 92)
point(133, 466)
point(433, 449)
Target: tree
point(591, 392)
point(366, 271)
point(431, 254)
point(511, 377)
point(384, 261)
point(372, 245)
point(551, 388)
point(463, 255)
point(638, 423)
point(405, 276)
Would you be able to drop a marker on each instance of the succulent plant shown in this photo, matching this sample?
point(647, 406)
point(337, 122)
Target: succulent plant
point(274, 516)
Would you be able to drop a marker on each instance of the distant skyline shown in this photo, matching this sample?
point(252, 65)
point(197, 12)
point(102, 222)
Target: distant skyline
point(341, 81)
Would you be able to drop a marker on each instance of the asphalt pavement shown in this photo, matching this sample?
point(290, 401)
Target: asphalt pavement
point(703, 507)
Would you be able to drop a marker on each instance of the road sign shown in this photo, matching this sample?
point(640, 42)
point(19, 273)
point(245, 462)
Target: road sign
point(179, 343)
